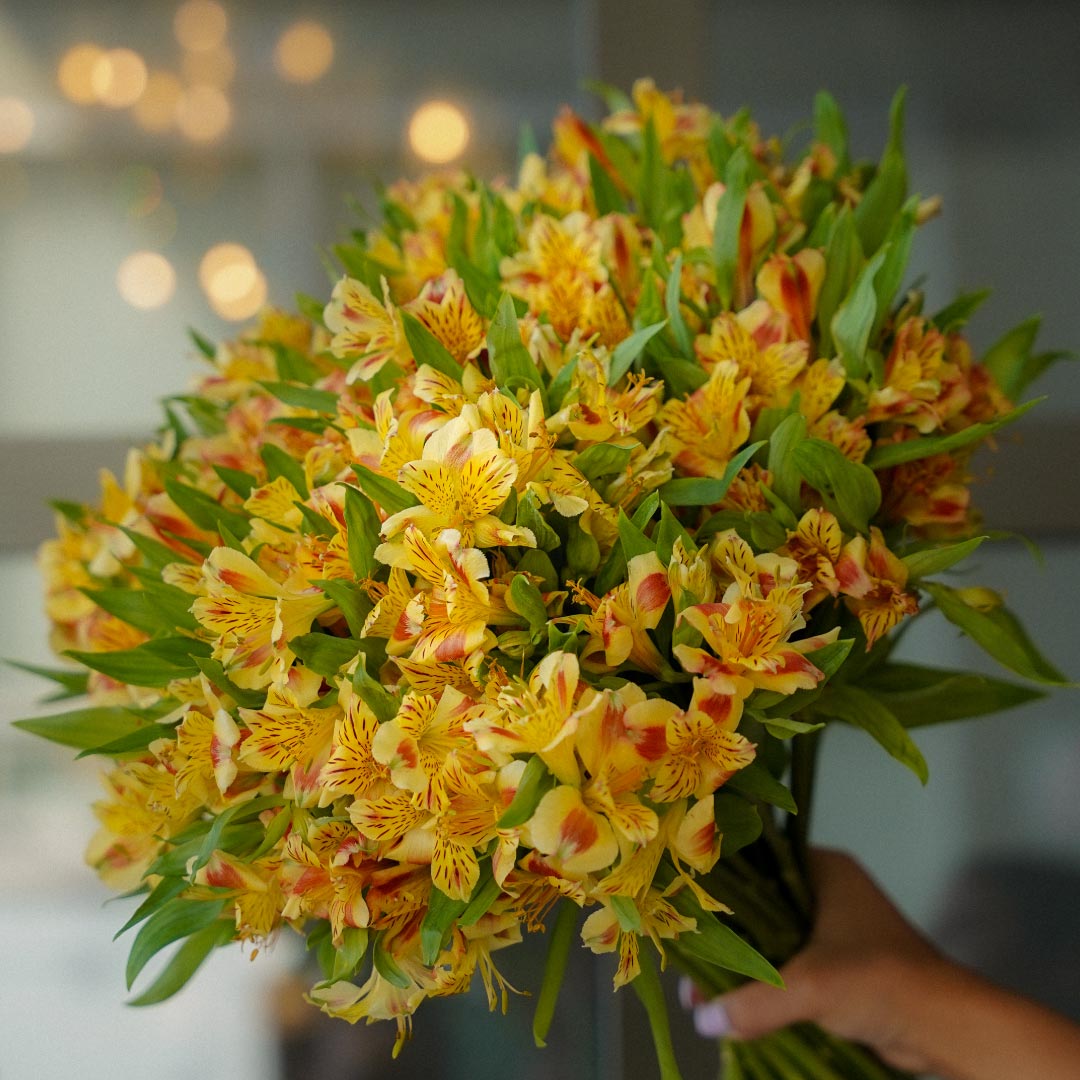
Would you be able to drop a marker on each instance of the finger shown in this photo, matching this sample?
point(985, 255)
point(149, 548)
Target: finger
point(757, 1009)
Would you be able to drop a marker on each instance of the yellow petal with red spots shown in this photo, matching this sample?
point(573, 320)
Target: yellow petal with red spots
point(566, 830)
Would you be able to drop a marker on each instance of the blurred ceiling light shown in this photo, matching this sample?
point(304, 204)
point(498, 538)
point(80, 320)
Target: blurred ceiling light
point(304, 52)
point(75, 73)
point(16, 124)
point(215, 67)
point(146, 280)
point(438, 132)
point(156, 109)
point(224, 259)
point(118, 78)
point(203, 113)
point(243, 307)
point(200, 25)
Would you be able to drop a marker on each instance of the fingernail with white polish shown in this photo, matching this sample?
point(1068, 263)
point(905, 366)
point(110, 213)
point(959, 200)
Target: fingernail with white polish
point(711, 1020)
point(686, 993)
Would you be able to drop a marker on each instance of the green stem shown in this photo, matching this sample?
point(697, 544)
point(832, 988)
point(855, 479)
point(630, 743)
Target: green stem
point(562, 937)
point(804, 752)
point(793, 871)
point(651, 994)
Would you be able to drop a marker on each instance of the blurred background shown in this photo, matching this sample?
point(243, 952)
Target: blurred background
point(138, 139)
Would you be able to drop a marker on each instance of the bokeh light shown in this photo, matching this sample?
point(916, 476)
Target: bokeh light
point(214, 67)
point(438, 132)
point(223, 259)
point(16, 124)
point(118, 78)
point(200, 25)
point(146, 280)
point(156, 109)
point(203, 113)
point(304, 52)
point(232, 281)
point(75, 72)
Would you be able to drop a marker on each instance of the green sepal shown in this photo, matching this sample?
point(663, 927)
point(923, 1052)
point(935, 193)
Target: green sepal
point(534, 784)
point(626, 913)
point(999, 633)
point(428, 349)
point(186, 962)
point(525, 599)
point(389, 494)
point(602, 459)
point(864, 710)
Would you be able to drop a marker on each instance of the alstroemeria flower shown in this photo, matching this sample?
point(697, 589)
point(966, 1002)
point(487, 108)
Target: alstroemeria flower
point(872, 580)
point(365, 331)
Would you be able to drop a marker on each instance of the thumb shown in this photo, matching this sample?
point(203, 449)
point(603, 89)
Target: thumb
point(754, 1009)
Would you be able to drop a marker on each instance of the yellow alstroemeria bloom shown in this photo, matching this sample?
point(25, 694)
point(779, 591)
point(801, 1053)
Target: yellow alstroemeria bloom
point(704, 749)
point(872, 581)
point(444, 309)
point(352, 768)
point(461, 479)
point(254, 890)
point(365, 330)
point(791, 284)
point(252, 617)
point(574, 839)
point(681, 128)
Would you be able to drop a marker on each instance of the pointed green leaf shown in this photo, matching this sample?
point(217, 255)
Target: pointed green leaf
point(921, 564)
point(830, 128)
point(525, 600)
point(325, 654)
point(956, 315)
point(377, 698)
point(511, 365)
point(72, 683)
point(603, 459)
point(206, 512)
point(629, 349)
point(669, 530)
point(887, 191)
point(673, 297)
point(215, 672)
point(706, 490)
point(487, 891)
point(998, 632)
point(606, 194)
point(349, 955)
point(729, 216)
point(843, 261)
point(160, 895)
point(325, 402)
point(280, 464)
point(435, 928)
point(389, 494)
point(534, 783)
point(848, 489)
point(529, 517)
point(83, 728)
point(862, 710)
point(427, 348)
point(237, 481)
point(853, 321)
point(786, 479)
point(362, 527)
point(174, 920)
point(754, 781)
point(186, 962)
point(387, 966)
point(153, 663)
point(351, 599)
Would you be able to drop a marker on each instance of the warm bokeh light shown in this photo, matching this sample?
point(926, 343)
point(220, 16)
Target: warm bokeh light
point(118, 78)
point(146, 280)
point(243, 307)
point(200, 25)
point(16, 124)
point(203, 113)
point(438, 132)
point(304, 52)
point(156, 109)
point(233, 283)
point(75, 73)
point(223, 259)
point(215, 67)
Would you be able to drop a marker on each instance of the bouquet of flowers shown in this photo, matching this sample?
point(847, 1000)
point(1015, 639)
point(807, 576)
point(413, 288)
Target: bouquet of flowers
point(514, 583)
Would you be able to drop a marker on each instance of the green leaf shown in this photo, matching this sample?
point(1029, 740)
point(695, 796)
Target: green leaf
point(603, 459)
point(738, 821)
point(325, 654)
point(280, 464)
point(853, 321)
point(606, 194)
point(582, 551)
point(535, 782)
point(633, 539)
point(511, 365)
point(650, 180)
point(156, 555)
point(673, 297)
point(427, 348)
point(706, 490)
point(525, 600)
point(186, 962)
point(204, 345)
point(349, 955)
point(389, 494)
point(292, 365)
point(163, 609)
point(362, 527)
point(487, 891)
point(132, 742)
point(921, 564)
point(562, 937)
point(754, 781)
point(956, 315)
point(239, 482)
point(829, 659)
point(630, 349)
point(304, 397)
point(830, 128)
point(716, 943)
point(83, 728)
point(1012, 363)
point(539, 565)
point(215, 672)
point(897, 250)
point(917, 696)
point(887, 191)
point(71, 683)
point(387, 966)
point(843, 260)
point(862, 710)
point(435, 928)
point(529, 517)
point(160, 895)
point(850, 490)
point(310, 307)
point(206, 512)
point(783, 727)
point(153, 663)
point(998, 632)
point(729, 215)
point(238, 811)
point(626, 913)
point(786, 479)
point(377, 698)
point(174, 920)
point(353, 601)
point(669, 530)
